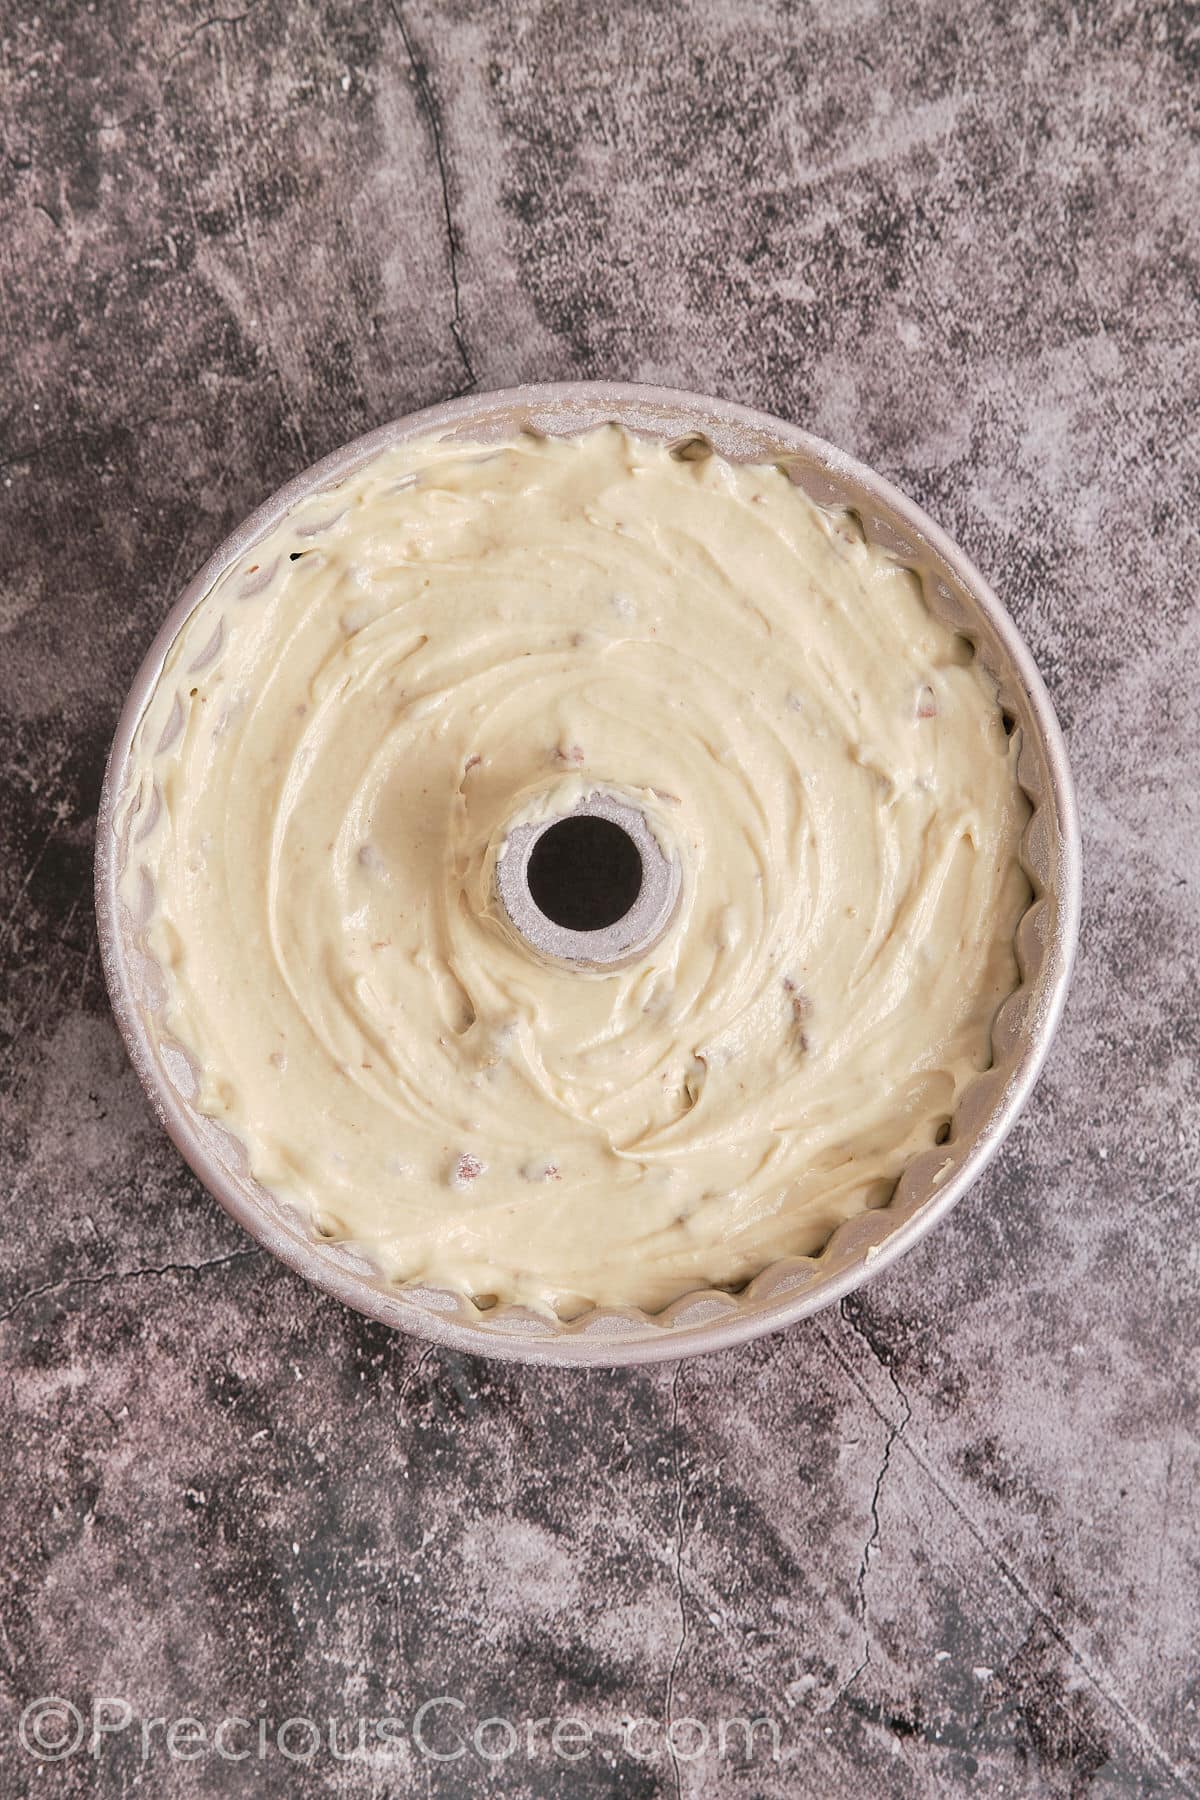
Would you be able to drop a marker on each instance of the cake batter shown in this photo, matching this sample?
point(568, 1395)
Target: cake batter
point(459, 637)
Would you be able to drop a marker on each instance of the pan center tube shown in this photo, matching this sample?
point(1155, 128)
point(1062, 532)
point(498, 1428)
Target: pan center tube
point(592, 887)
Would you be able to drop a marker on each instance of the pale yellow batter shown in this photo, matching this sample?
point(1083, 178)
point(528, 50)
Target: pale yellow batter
point(461, 636)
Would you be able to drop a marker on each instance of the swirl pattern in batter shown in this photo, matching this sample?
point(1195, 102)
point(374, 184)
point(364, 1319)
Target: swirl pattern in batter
point(460, 636)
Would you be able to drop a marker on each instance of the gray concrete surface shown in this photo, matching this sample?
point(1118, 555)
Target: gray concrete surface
point(944, 1541)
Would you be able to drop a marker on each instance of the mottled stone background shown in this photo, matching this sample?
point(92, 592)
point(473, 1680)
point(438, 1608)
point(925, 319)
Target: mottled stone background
point(945, 1540)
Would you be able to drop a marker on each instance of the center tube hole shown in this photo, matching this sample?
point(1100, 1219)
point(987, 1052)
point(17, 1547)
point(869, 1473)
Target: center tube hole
point(585, 873)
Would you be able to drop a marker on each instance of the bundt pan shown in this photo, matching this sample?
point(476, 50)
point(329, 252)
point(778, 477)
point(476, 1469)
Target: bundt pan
point(931, 1184)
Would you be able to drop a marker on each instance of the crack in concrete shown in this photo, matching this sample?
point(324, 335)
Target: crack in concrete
point(850, 1680)
point(896, 1429)
point(206, 25)
point(1136, 1726)
point(412, 1375)
point(429, 105)
point(151, 118)
point(117, 1275)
